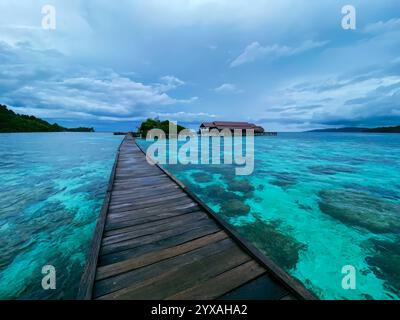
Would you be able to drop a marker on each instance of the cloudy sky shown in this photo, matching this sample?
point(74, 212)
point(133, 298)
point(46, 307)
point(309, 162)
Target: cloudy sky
point(287, 65)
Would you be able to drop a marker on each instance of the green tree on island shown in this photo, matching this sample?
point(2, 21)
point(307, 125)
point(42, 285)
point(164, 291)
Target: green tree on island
point(150, 124)
point(13, 122)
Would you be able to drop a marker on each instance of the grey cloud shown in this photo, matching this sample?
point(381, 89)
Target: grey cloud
point(44, 79)
point(364, 99)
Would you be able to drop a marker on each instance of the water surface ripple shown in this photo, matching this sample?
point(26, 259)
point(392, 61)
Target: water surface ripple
point(52, 187)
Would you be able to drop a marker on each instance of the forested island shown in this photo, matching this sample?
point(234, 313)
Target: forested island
point(395, 129)
point(11, 122)
point(150, 124)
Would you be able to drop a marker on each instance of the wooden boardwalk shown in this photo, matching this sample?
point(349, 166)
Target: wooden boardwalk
point(154, 240)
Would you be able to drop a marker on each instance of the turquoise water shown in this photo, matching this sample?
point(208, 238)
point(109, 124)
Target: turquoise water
point(51, 190)
point(315, 203)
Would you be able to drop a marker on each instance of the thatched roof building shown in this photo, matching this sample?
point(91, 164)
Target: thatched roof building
point(221, 125)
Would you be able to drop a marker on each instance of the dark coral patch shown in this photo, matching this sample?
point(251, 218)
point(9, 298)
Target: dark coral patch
point(233, 208)
point(220, 193)
point(304, 207)
point(331, 170)
point(284, 179)
point(216, 194)
point(361, 210)
point(386, 263)
point(202, 177)
point(283, 249)
point(380, 191)
point(242, 186)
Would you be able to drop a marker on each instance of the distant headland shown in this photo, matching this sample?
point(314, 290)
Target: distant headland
point(395, 129)
point(11, 122)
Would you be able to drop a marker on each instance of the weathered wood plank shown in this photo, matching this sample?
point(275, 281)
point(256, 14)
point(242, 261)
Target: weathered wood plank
point(148, 202)
point(143, 195)
point(153, 227)
point(262, 288)
point(148, 217)
point(154, 236)
point(159, 210)
point(150, 188)
point(184, 237)
point(181, 203)
point(138, 184)
point(222, 283)
point(172, 280)
point(156, 256)
point(147, 276)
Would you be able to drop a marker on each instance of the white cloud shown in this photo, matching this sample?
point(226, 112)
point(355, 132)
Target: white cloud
point(255, 51)
point(170, 83)
point(383, 26)
point(227, 88)
point(184, 116)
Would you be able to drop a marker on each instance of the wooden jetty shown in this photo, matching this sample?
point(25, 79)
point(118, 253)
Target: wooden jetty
point(155, 240)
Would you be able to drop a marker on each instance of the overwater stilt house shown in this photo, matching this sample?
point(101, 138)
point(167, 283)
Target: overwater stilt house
point(232, 126)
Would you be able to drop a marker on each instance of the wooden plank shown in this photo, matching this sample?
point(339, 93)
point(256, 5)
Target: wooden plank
point(139, 180)
point(148, 202)
point(261, 288)
point(186, 270)
point(151, 217)
point(180, 204)
point(150, 211)
point(172, 280)
point(154, 227)
point(156, 256)
point(163, 212)
point(184, 237)
point(222, 283)
point(136, 277)
point(151, 188)
point(115, 199)
point(154, 236)
point(138, 184)
point(144, 198)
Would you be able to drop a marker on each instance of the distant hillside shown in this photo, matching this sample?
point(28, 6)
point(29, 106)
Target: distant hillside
point(366, 130)
point(395, 129)
point(348, 129)
point(13, 122)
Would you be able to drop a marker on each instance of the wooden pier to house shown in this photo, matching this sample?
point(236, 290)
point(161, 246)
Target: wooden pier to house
point(154, 239)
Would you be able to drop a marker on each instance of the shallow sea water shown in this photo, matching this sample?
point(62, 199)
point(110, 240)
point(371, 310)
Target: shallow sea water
point(52, 187)
point(315, 203)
